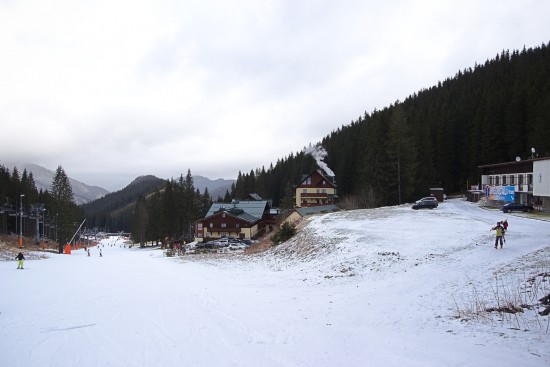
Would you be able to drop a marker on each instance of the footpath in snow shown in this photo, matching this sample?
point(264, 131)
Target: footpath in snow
point(381, 287)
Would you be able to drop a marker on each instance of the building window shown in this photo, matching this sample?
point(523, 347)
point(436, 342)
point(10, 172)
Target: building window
point(529, 179)
point(237, 225)
point(223, 215)
point(490, 180)
point(497, 180)
point(199, 226)
point(308, 181)
point(304, 191)
point(504, 180)
point(224, 225)
point(211, 225)
point(512, 180)
point(520, 179)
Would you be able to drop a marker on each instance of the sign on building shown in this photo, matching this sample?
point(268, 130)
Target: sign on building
point(500, 193)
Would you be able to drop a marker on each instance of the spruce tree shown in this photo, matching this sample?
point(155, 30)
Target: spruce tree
point(63, 207)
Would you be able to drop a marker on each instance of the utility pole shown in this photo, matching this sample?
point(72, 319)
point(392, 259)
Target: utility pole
point(398, 174)
point(21, 222)
point(43, 229)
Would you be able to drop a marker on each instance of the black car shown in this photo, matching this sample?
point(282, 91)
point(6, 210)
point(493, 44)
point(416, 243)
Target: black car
point(425, 204)
point(518, 207)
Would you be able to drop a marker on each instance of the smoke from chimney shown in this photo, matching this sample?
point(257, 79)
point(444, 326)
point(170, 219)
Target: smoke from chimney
point(319, 153)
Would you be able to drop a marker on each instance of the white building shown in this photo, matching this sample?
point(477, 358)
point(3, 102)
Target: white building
point(526, 182)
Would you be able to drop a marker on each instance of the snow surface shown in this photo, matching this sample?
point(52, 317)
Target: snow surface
point(381, 287)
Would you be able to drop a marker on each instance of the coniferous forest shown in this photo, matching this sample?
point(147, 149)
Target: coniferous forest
point(438, 137)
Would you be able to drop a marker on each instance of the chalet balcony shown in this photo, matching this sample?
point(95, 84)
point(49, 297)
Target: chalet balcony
point(224, 229)
point(314, 195)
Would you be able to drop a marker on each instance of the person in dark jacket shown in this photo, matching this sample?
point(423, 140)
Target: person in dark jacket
point(20, 259)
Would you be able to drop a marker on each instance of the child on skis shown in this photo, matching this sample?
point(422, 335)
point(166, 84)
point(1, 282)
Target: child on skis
point(499, 233)
point(20, 259)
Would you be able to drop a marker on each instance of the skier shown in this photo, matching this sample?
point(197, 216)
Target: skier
point(504, 229)
point(88, 252)
point(20, 259)
point(100, 253)
point(499, 233)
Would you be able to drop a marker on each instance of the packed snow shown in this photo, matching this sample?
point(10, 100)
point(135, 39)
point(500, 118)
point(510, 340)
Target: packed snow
point(379, 287)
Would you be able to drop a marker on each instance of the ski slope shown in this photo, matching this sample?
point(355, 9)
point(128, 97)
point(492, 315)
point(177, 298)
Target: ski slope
point(380, 287)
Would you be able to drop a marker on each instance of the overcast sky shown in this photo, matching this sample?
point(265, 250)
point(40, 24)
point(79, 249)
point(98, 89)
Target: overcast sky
point(111, 90)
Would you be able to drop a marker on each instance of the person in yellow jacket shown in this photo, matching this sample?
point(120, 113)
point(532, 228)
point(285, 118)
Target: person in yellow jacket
point(499, 233)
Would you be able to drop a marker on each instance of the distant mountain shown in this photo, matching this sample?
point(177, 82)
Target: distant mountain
point(114, 210)
point(216, 187)
point(43, 178)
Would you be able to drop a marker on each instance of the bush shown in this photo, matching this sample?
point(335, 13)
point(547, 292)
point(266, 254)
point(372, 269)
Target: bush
point(286, 232)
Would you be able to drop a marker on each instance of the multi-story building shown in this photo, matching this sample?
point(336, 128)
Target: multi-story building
point(521, 181)
point(315, 189)
point(239, 219)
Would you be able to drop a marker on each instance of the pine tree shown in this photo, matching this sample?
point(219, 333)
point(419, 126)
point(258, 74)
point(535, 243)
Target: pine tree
point(63, 206)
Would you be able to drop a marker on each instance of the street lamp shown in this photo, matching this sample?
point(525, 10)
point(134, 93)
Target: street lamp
point(21, 222)
point(43, 229)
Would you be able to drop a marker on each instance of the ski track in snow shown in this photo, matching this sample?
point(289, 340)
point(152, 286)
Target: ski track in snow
point(367, 287)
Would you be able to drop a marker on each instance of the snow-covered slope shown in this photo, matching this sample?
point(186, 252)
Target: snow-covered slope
point(381, 287)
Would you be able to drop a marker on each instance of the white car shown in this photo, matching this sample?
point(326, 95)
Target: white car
point(236, 246)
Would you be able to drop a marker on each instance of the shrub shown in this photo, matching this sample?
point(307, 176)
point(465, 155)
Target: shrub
point(286, 232)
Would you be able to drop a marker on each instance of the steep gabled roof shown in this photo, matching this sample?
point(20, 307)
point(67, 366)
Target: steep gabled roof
point(255, 209)
point(239, 214)
point(253, 196)
point(329, 179)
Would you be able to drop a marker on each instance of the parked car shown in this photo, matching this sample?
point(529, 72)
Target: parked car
point(237, 246)
point(205, 245)
point(431, 199)
point(425, 204)
point(223, 242)
point(518, 207)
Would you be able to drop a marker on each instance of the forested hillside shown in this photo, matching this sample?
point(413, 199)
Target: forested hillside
point(151, 208)
point(488, 113)
point(115, 210)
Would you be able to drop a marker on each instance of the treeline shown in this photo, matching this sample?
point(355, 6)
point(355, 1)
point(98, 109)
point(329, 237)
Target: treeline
point(276, 183)
point(54, 208)
point(435, 138)
point(170, 212)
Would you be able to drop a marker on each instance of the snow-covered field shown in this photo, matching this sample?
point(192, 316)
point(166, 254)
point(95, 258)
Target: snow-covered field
point(381, 287)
